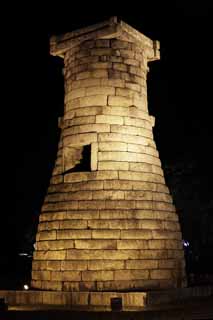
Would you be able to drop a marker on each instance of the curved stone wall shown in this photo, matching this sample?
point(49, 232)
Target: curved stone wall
point(114, 226)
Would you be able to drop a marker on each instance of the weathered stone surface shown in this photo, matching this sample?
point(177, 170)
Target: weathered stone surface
point(108, 221)
point(131, 274)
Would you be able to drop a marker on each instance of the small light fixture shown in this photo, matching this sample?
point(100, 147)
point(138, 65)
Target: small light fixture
point(185, 243)
point(26, 287)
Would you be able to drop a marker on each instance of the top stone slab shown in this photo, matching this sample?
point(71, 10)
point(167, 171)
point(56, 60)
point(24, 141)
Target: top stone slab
point(112, 28)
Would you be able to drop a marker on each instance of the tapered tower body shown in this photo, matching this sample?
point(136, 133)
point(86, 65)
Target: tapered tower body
point(108, 221)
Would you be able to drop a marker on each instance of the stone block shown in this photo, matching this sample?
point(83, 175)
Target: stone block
point(73, 234)
point(106, 175)
point(127, 285)
point(56, 179)
point(49, 255)
point(136, 234)
point(113, 165)
point(156, 244)
point(88, 185)
point(94, 156)
point(83, 75)
point(80, 120)
point(103, 90)
point(118, 111)
point(132, 62)
point(115, 59)
point(141, 123)
point(41, 275)
point(164, 234)
point(47, 235)
point(109, 254)
point(105, 234)
point(119, 101)
point(173, 244)
point(138, 195)
point(71, 286)
point(146, 177)
point(102, 43)
point(109, 119)
point(53, 265)
point(80, 139)
point(153, 254)
point(56, 276)
point(71, 275)
point(98, 275)
point(171, 225)
point(76, 177)
point(79, 195)
point(115, 156)
point(142, 149)
point(95, 244)
point(100, 65)
point(131, 274)
point(105, 265)
point(99, 73)
point(131, 130)
point(112, 146)
point(117, 185)
point(103, 298)
point(119, 44)
point(85, 83)
point(160, 274)
point(141, 264)
point(166, 264)
point(74, 265)
point(121, 137)
point(96, 100)
point(39, 265)
point(175, 254)
point(77, 93)
point(164, 206)
point(117, 214)
point(111, 195)
point(144, 214)
point(132, 244)
point(125, 92)
point(120, 204)
point(86, 128)
point(128, 54)
point(137, 71)
point(113, 83)
point(50, 285)
point(93, 204)
point(114, 74)
point(80, 298)
point(73, 224)
point(55, 245)
point(144, 204)
point(133, 86)
point(88, 286)
point(101, 52)
point(120, 66)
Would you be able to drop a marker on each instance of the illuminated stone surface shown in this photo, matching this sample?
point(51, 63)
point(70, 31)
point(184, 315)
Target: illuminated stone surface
point(113, 226)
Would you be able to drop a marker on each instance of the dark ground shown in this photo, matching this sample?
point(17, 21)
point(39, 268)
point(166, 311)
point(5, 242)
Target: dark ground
point(197, 309)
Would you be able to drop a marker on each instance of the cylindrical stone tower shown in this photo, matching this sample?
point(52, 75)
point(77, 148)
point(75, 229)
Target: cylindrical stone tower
point(108, 222)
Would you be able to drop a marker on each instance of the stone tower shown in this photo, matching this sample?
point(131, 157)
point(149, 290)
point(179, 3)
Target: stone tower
point(107, 222)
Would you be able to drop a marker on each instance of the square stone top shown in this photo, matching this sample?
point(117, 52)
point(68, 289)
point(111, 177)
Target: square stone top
point(112, 28)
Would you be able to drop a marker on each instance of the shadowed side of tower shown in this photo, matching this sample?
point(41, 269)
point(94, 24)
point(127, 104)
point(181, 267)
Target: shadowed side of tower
point(107, 222)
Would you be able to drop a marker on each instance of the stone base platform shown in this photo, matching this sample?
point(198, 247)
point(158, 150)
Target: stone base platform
point(101, 301)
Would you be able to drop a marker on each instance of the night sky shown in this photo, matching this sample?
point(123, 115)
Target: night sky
point(179, 92)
